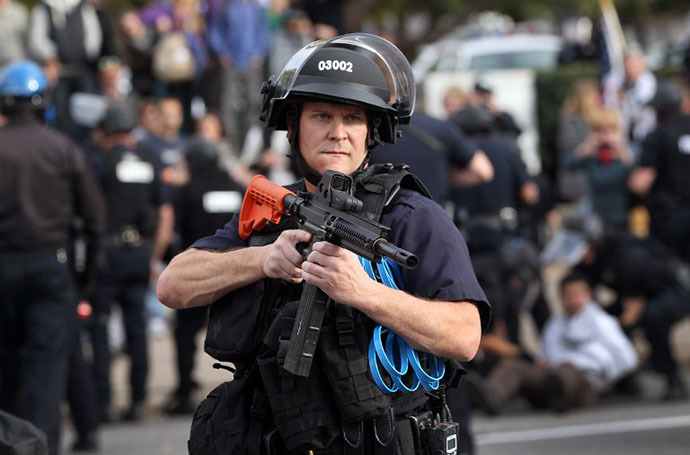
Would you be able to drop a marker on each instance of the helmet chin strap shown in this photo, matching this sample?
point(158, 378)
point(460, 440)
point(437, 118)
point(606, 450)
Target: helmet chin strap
point(309, 173)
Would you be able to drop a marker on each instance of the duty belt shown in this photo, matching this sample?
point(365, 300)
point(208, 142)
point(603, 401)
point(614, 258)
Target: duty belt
point(128, 237)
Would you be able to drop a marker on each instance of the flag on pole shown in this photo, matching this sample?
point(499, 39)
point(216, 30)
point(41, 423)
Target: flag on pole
point(612, 48)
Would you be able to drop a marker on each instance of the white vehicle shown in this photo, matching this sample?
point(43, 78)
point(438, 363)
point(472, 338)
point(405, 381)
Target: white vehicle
point(531, 51)
point(507, 63)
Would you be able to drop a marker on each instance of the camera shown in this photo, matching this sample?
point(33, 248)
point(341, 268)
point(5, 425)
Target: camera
point(434, 437)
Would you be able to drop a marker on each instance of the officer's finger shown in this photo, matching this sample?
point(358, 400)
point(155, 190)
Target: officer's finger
point(327, 248)
point(291, 255)
point(296, 236)
point(290, 273)
point(317, 257)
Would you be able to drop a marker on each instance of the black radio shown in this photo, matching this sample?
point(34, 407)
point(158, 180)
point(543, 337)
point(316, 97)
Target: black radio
point(433, 437)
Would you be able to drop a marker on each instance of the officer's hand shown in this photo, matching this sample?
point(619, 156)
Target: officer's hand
point(282, 260)
point(337, 272)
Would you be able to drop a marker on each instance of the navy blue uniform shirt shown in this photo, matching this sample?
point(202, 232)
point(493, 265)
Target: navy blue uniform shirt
point(429, 146)
point(668, 151)
point(418, 225)
point(510, 174)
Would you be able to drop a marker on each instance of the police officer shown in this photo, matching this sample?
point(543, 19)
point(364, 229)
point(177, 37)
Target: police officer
point(337, 99)
point(503, 122)
point(208, 200)
point(140, 219)
point(489, 213)
point(661, 178)
point(438, 154)
point(45, 183)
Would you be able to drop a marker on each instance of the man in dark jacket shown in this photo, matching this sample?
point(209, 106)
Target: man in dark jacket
point(46, 183)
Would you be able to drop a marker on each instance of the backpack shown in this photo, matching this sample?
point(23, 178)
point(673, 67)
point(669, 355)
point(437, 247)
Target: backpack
point(173, 60)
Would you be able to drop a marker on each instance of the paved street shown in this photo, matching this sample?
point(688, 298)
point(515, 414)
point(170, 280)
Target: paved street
point(643, 426)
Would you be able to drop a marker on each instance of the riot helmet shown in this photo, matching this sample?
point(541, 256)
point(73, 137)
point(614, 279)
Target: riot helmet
point(201, 154)
point(119, 118)
point(666, 100)
point(474, 120)
point(359, 69)
point(22, 84)
point(356, 68)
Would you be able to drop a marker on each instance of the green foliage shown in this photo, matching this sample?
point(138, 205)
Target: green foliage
point(552, 88)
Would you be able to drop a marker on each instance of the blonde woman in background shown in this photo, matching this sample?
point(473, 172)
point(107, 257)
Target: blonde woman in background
point(573, 127)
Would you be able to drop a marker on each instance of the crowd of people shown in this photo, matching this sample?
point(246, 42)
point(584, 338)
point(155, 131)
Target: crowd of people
point(621, 224)
point(163, 105)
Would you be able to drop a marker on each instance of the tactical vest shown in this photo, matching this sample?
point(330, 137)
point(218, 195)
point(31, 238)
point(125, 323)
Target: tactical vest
point(255, 322)
point(131, 193)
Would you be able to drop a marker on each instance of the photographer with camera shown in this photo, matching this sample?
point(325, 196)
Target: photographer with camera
point(606, 161)
point(337, 99)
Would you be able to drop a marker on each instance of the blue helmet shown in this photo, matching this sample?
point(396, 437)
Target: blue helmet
point(22, 79)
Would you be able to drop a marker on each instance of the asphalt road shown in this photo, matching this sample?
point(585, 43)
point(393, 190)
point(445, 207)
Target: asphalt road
point(641, 425)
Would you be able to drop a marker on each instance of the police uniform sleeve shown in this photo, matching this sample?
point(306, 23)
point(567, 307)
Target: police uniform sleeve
point(651, 148)
point(519, 169)
point(90, 206)
point(460, 148)
point(445, 271)
point(163, 194)
point(224, 239)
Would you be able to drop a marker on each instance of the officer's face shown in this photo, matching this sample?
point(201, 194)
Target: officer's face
point(333, 136)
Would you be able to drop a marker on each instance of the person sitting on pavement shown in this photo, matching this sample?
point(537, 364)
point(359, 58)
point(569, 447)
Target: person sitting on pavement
point(583, 352)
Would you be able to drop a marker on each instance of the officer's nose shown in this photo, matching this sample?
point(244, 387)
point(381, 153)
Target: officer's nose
point(338, 131)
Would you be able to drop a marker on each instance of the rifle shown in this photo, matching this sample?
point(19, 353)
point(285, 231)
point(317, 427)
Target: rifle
point(331, 213)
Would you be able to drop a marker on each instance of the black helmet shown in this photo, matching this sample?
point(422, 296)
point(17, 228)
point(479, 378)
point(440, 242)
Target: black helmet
point(474, 120)
point(201, 154)
point(119, 117)
point(356, 68)
point(667, 98)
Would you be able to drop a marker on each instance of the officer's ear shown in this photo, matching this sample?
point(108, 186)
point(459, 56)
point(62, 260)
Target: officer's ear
point(289, 129)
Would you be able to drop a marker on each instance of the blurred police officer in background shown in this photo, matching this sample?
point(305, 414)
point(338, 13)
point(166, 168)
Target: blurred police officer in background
point(139, 230)
point(489, 214)
point(503, 122)
point(206, 202)
point(45, 182)
point(662, 176)
point(438, 154)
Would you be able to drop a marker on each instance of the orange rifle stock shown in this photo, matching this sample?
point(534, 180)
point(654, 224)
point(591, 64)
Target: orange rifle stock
point(263, 203)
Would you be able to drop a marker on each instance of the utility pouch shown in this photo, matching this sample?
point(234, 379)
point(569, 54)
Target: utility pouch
point(238, 321)
point(343, 352)
point(225, 419)
point(302, 407)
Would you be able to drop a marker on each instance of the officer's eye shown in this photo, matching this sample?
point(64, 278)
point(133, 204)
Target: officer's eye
point(354, 118)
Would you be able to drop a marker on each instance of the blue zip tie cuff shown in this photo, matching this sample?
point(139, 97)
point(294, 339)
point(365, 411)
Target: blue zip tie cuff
point(398, 356)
